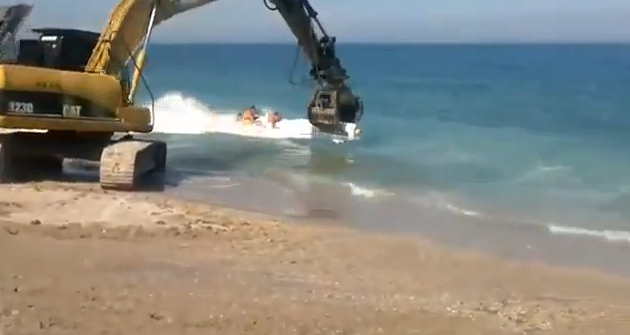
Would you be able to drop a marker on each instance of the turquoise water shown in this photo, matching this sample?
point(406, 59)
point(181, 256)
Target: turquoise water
point(530, 134)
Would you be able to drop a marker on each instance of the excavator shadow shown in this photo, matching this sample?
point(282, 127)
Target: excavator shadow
point(84, 172)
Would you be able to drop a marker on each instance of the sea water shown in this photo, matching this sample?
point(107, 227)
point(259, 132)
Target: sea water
point(519, 135)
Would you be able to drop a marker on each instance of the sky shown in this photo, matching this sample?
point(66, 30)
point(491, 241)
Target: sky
point(390, 21)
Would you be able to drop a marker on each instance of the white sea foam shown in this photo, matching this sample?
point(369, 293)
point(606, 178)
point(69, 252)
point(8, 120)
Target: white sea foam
point(177, 114)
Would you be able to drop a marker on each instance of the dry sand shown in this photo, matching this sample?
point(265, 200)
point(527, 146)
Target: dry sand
point(77, 260)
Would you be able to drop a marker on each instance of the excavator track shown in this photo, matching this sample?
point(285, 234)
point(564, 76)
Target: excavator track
point(125, 162)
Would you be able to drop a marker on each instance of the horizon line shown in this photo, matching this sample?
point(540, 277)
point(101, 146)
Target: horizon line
point(407, 43)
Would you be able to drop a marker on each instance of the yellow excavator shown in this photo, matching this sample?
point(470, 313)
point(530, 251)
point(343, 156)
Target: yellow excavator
point(69, 93)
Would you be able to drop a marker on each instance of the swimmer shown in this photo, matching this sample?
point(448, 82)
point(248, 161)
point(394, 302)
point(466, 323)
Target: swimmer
point(273, 118)
point(249, 115)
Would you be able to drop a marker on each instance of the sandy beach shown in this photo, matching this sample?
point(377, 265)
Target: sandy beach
point(78, 260)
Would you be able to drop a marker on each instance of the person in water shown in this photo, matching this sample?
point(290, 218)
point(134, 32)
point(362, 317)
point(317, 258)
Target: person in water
point(273, 118)
point(249, 115)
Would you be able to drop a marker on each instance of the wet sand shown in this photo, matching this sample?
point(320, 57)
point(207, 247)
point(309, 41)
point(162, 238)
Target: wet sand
point(501, 235)
point(78, 260)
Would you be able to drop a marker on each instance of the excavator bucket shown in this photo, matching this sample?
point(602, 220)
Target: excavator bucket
point(336, 111)
point(11, 20)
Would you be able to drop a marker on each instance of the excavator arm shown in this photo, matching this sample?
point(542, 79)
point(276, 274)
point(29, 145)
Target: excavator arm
point(334, 106)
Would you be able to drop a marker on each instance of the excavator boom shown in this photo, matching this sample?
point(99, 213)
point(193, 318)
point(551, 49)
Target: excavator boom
point(129, 24)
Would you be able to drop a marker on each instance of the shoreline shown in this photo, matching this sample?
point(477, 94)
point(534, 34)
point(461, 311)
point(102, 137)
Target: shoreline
point(337, 205)
point(162, 265)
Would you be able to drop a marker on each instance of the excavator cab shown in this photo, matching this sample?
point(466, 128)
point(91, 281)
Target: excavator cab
point(62, 49)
